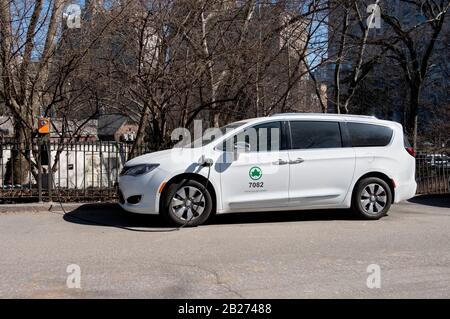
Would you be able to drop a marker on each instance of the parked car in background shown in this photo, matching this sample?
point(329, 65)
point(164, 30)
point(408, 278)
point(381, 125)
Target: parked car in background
point(438, 160)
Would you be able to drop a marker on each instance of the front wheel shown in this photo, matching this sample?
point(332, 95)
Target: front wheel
point(372, 198)
point(187, 203)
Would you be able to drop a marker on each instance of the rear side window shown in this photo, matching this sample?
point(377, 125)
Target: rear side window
point(367, 135)
point(318, 134)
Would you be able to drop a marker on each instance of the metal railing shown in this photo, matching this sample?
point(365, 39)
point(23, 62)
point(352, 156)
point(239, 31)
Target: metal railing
point(75, 172)
point(433, 172)
point(89, 171)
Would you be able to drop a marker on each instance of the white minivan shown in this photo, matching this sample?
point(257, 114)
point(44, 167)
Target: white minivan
point(282, 162)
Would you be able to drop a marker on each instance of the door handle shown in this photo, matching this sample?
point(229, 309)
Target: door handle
point(280, 162)
point(297, 161)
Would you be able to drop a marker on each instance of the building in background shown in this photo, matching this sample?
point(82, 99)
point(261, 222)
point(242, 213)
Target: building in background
point(116, 127)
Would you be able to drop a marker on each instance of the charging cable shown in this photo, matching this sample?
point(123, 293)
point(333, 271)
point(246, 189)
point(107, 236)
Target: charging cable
point(207, 163)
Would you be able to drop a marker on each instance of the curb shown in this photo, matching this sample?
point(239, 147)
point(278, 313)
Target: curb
point(52, 206)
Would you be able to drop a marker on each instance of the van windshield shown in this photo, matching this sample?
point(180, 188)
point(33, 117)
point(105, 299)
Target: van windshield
point(212, 134)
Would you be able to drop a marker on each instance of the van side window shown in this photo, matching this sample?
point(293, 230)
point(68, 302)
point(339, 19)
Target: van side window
point(264, 137)
point(315, 134)
point(367, 135)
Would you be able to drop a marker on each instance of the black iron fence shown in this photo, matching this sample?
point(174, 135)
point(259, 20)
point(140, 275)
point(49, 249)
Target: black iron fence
point(89, 171)
point(433, 172)
point(75, 172)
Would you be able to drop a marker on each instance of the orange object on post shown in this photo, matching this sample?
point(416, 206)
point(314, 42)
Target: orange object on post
point(43, 125)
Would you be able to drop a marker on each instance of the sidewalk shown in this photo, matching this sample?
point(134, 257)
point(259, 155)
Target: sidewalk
point(45, 207)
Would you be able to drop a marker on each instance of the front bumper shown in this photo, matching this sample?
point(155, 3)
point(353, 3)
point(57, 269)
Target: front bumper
point(147, 186)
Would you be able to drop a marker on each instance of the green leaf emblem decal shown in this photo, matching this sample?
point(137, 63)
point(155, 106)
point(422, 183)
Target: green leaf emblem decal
point(255, 173)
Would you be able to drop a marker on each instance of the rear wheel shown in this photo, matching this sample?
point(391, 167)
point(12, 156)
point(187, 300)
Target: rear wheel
point(187, 203)
point(372, 198)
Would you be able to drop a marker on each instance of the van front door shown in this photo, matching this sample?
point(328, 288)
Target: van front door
point(257, 176)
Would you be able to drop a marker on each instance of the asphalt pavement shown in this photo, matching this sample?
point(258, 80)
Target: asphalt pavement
point(304, 254)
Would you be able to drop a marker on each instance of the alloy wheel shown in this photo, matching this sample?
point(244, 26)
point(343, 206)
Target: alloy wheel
point(373, 199)
point(188, 203)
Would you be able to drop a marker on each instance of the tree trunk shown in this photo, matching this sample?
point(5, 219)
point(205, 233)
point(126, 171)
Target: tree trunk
point(339, 60)
point(17, 167)
point(140, 134)
point(412, 122)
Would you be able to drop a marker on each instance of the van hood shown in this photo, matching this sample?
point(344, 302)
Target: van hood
point(179, 155)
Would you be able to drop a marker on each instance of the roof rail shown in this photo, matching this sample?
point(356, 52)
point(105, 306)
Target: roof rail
point(363, 116)
point(325, 114)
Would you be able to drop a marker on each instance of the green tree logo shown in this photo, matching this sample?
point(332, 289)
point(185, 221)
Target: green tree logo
point(255, 173)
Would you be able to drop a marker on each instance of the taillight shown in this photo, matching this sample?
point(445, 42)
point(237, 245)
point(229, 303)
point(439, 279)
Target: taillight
point(411, 152)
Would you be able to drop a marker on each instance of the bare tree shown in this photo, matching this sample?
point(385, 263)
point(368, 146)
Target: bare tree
point(23, 78)
point(350, 39)
point(38, 71)
point(413, 47)
point(210, 59)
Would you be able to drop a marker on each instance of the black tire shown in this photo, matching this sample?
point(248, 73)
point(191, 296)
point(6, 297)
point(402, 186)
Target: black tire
point(186, 219)
point(372, 198)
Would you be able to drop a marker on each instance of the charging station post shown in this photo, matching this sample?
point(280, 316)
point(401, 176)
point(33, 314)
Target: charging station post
point(44, 140)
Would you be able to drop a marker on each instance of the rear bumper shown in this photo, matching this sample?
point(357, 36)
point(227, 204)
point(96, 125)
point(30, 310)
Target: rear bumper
point(405, 191)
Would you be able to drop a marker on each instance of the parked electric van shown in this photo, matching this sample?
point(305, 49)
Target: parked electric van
point(277, 163)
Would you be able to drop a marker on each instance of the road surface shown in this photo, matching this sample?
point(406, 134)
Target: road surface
point(310, 254)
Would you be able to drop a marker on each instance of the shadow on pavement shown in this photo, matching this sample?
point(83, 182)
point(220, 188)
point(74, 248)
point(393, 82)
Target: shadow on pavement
point(432, 200)
point(284, 216)
point(111, 215)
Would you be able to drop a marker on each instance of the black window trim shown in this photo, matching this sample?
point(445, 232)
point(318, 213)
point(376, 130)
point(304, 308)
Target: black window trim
point(346, 134)
point(285, 136)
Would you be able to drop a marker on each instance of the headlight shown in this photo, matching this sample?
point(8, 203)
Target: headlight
point(138, 169)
